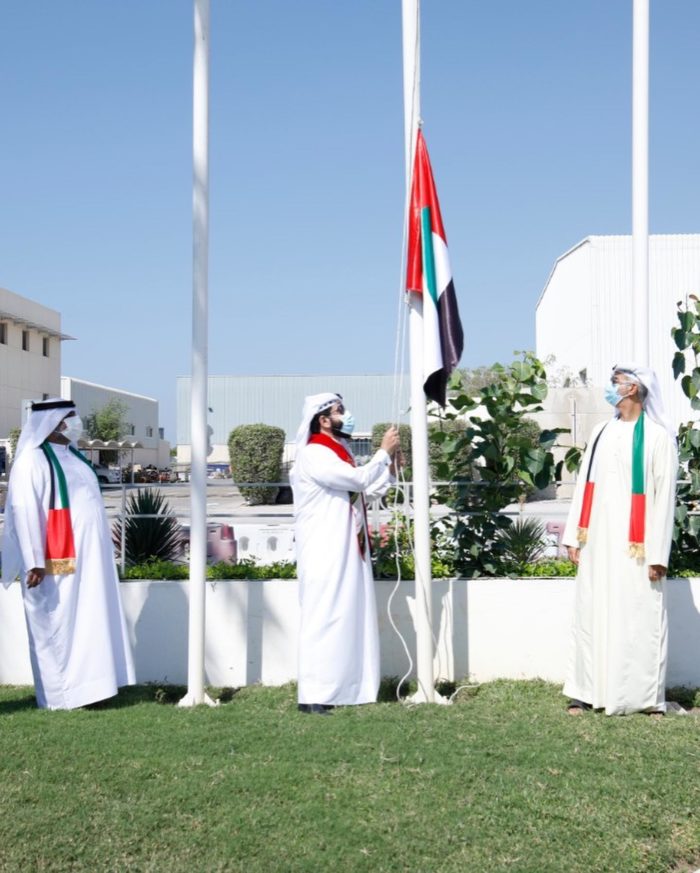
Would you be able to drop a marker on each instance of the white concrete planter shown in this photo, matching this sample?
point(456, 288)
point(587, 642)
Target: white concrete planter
point(485, 629)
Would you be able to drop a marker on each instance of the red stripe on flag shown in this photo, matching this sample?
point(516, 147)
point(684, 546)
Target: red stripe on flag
point(423, 194)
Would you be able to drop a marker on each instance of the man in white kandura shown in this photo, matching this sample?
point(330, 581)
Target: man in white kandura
point(338, 636)
point(619, 533)
point(58, 538)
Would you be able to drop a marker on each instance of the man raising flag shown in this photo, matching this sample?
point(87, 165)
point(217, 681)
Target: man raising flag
point(429, 274)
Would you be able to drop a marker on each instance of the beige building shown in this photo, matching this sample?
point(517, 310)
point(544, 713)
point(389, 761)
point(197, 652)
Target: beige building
point(30, 356)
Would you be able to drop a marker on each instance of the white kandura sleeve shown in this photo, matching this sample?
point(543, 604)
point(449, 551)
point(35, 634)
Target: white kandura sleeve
point(325, 468)
point(664, 471)
point(28, 511)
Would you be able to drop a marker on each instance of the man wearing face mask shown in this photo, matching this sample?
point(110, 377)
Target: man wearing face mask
point(619, 534)
point(338, 637)
point(57, 538)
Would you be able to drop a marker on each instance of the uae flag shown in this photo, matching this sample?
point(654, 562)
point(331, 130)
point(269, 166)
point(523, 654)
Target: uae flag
point(429, 274)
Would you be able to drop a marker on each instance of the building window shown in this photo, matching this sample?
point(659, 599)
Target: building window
point(44, 396)
point(25, 340)
point(3, 332)
point(45, 345)
point(161, 433)
point(131, 429)
point(149, 431)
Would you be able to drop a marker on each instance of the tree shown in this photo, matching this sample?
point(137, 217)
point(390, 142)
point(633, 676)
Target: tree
point(685, 551)
point(495, 460)
point(13, 437)
point(107, 423)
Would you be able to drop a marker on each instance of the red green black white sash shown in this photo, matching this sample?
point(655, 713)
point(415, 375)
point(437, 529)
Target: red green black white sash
point(638, 497)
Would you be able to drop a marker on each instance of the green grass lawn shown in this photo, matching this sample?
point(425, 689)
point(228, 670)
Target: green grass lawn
point(503, 780)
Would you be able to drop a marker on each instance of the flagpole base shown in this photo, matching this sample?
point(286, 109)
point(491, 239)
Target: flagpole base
point(421, 697)
point(190, 700)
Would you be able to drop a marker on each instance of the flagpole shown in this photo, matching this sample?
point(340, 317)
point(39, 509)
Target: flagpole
point(640, 180)
point(198, 410)
point(419, 425)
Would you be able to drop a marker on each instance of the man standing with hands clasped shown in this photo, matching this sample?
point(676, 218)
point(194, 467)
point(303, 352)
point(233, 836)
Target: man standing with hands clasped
point(57, 536)
point(338, 636)
point(619, 534)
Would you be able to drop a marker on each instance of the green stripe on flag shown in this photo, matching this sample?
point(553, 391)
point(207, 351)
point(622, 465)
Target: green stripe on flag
point(426, 235)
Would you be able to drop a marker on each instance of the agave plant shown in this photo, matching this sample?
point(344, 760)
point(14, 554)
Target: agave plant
point(522, 542)
point(152, 532)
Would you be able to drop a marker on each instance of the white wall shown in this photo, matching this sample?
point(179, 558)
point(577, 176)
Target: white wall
point(142, 414)
point(486, 629)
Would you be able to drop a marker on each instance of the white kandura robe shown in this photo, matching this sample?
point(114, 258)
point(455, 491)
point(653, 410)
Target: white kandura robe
point(338, 636)
point(78, 642)
point(619, 631)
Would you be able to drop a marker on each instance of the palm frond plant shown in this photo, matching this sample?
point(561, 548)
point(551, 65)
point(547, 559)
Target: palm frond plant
point(522, 543)
point(152, 531)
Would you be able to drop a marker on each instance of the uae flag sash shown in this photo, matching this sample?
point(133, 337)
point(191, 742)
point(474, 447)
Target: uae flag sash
point(358, 508)
point(638, 496)
point(60, 546)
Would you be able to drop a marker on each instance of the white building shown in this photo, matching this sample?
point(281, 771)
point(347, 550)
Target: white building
point(141, 415)
point(585, 315)
point(30, 356)
point(277, 400)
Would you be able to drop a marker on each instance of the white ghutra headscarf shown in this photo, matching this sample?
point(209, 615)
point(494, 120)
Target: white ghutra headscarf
point(653, 403)
point(313, 404)
point(44, 417)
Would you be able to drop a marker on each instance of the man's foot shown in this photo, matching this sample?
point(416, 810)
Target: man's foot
point(314, 708)
point(577, 707)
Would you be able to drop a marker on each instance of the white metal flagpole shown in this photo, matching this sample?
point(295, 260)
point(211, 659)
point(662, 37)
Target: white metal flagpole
point(198, 414)
point(419, 424)
point(640, 180)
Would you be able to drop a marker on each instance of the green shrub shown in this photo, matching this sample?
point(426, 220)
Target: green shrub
point(246, 569)
point(161, 570)
point(148, 539)
point(392, 553)
point(255, 452)
point(549, 567)
point(522, 543)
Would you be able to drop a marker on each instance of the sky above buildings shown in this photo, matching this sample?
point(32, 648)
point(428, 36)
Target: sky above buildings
point(527, 115)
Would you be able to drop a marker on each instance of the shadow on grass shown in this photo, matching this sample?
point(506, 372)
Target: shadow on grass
point(445, 687)
point(8, 707)
point(135, 695)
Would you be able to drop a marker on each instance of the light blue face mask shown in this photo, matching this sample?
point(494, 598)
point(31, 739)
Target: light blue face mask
point(612, 393)
point(348, 423)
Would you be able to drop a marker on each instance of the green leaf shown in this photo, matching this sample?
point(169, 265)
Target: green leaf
point(687, 320)
point(678, 364)
point(680, 337)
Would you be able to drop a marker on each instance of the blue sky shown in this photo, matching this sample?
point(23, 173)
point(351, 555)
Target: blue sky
point(526, 110)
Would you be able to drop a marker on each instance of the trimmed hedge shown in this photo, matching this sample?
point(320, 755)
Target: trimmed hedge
point(255, 452)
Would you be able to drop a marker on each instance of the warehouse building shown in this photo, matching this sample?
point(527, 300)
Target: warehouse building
point(277, 400)
point(585, 319)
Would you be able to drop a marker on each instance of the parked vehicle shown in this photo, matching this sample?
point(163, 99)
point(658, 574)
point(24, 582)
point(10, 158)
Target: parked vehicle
point(107, 475)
